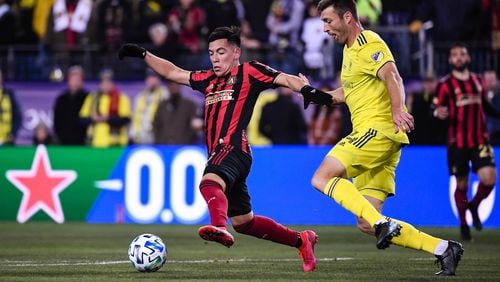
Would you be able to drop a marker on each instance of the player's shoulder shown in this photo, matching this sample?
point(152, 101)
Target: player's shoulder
point(367, 38)
point(476, 75)
point(262, 67)
point(201, 75)
point(444, 79)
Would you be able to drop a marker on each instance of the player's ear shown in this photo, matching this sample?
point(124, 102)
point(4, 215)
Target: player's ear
point(237, 53)
point(347, 17)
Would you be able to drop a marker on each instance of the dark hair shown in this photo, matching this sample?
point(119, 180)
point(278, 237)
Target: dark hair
point(232, 34)
point(341, 6)
point(458, 45)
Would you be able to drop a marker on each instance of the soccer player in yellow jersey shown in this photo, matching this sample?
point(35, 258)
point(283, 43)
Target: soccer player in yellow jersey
point(374, 93)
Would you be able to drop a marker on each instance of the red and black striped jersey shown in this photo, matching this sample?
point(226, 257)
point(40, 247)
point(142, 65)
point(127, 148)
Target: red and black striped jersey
point(230, 100)
point(464, 100)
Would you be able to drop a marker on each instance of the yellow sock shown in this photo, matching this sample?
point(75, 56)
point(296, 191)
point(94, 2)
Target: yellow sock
point(348, 196)
point(412, 238)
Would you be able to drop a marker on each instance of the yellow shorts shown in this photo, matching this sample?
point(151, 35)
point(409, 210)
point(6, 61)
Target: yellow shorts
point(370, 159)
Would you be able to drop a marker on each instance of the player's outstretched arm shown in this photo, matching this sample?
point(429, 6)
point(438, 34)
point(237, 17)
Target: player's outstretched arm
point(310, 94)
point(164, 67)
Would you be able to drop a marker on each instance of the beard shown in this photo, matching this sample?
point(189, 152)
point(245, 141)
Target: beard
point(460, 68)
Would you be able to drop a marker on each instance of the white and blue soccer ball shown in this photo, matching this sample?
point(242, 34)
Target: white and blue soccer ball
point(147, 252)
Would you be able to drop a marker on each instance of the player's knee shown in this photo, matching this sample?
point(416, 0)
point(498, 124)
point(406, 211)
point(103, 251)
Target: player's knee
point(365, 227)
point(318, 183)
point(243, 228)
point(489, 180)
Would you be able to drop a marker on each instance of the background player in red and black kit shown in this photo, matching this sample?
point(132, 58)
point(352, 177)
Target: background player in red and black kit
point(231, 90)
point(461, 99)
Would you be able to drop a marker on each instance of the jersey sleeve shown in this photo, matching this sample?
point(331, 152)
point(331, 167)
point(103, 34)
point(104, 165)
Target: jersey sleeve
point(442, 94)
point(263, 75)
point(374, 55)
point(199, 80)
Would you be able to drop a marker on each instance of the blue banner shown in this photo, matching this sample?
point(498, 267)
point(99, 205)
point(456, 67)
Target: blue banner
point(159, 185)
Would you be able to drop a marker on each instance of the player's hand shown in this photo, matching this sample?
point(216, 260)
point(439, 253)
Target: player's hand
point(304, 79)
point(316, 96)
point(403, 121)
point(131, 50)
point(441, 112)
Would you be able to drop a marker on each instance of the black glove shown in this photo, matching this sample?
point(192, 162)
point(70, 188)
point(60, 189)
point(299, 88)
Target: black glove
point(131, 50)
point(316, 96)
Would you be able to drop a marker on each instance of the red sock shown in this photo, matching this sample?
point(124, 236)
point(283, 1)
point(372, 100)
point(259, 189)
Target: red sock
point(483, 192)
point(216, 201)
point(268, 229)
point(461, 203)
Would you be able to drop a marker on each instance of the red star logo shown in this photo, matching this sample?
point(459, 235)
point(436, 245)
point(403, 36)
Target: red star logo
point(41, 187)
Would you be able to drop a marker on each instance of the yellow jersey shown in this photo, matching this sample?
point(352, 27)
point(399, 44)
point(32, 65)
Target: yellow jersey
point(365, 93)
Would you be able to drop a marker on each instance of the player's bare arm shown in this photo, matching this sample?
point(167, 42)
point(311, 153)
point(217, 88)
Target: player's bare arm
point(394, 83)
point(337, 95)
point(164, 67)
point(309, 93)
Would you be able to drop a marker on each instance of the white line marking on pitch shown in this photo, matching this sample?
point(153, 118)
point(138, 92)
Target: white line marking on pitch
point(83, 263)
point(21, 263)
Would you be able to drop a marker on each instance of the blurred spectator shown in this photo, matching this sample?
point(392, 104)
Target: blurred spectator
point(186, 21)
point(24, 24)
point(114, 20)
point(145, 107)
point(67, 30)
point(256, 12)
point(428, 130)
point(7, 23)
point(223, 13)
point(252, 47)
point(10, 115)
point(41, 11)
point(369, 11)
point(282, 121)
point(164, 45)
point(495, 24)
point(493, 93)
point(456, 21)
point(325, 126)
point(106, 112)
point(176, 120)
point(397, 12)
point(42, 135)
point(284, 21)
point(67, 126)
point(314, 39)
point(150, 12)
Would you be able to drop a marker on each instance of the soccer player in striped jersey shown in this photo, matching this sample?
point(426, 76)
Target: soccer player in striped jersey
point(374, 93)
point(231, 90)
point(461, 99)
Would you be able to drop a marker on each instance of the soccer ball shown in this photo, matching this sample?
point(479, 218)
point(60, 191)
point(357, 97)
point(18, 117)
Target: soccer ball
point(147, 252)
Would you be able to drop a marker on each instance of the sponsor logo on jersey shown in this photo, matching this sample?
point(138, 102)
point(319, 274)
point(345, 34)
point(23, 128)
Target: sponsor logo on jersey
point(223, 95)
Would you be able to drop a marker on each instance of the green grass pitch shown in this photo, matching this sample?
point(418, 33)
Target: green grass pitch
point(83, 252)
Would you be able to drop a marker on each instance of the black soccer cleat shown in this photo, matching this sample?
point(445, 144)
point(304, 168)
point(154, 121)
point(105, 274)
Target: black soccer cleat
point(385, 231)
point(465, 233)
point(450, 258)
point(476, 221)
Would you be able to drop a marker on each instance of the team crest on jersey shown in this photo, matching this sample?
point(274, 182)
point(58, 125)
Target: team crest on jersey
point(377, 56)
point(231, 80)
